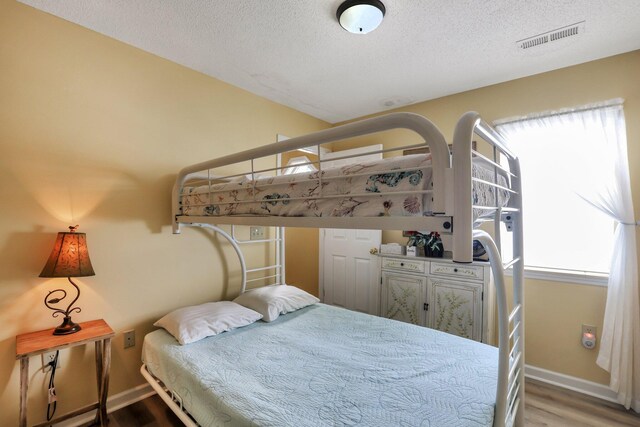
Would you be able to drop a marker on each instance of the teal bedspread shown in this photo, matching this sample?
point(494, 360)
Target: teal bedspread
point(326, 366)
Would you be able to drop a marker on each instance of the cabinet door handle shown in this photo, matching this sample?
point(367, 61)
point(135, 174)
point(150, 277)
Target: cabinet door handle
point(455, 270)
point(425, 307)
point(402, 264)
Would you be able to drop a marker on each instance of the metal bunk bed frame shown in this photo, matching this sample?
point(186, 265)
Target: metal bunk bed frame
point(451, 215)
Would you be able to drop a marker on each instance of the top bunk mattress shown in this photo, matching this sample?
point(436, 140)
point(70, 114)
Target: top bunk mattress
point(324, 365)
point(396, 186)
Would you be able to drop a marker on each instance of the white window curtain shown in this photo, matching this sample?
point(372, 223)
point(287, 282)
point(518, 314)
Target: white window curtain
point(602, 131)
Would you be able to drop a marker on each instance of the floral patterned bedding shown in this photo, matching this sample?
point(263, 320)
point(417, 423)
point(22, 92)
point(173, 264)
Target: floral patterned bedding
point(395, 186)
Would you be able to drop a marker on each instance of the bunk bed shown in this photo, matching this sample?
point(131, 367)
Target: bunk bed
point(448, 192)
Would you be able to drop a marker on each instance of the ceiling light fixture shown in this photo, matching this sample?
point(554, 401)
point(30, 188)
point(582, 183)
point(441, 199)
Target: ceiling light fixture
point(360, 16)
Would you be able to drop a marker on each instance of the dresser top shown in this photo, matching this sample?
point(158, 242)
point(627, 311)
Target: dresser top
point(431, 259)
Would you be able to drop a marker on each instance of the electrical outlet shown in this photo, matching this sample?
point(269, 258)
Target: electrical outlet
point(588, 329)
point(47, 357)
point(589, 337)
point(256, 233)
point(129, 338)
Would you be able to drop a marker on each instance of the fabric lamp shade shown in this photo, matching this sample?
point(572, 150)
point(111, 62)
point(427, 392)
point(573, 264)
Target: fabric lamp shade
point(69, 257)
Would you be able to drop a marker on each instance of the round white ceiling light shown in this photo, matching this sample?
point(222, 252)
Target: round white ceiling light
point(360, 16)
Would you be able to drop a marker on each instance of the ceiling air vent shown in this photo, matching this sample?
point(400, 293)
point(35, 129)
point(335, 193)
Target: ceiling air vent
point(551, 36)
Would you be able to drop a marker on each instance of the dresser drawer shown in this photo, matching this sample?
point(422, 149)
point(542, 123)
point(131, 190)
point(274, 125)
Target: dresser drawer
point(455, 270)
point(403, 264)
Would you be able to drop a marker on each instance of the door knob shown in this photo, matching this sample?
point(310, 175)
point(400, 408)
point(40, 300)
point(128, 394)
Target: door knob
point(373, 251)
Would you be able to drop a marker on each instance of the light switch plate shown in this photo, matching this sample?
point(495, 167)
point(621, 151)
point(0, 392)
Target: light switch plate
point(256, 233)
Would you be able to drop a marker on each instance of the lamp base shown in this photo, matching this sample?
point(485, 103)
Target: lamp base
point(67, 327)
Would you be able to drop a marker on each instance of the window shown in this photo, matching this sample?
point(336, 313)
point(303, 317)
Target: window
point(298, 165)
point(563, 233)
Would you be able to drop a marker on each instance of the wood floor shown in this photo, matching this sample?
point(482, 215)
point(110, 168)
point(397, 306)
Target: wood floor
point(546, 405)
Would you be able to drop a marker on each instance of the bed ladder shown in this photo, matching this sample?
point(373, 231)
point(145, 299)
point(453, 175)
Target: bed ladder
point(509, 409)
point(274, 271)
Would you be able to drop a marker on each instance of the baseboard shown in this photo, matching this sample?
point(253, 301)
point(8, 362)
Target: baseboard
point(114, 403)
point(589, 388)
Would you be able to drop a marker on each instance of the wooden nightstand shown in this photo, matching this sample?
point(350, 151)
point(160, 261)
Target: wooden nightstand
point(34, 343)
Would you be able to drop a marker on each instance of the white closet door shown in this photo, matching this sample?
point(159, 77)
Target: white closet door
point(350, 272)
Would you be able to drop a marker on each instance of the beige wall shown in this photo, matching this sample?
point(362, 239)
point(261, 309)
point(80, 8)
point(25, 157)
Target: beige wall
point(554, 311)
point(92, 132)
point(302, 258)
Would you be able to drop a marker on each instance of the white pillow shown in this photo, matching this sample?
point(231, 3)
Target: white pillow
point(190, 324)
point(272, 301)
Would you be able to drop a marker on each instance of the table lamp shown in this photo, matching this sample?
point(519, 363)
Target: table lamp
point(69, 258)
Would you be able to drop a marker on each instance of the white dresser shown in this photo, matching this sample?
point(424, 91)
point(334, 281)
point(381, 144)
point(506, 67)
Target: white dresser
point(439, 294)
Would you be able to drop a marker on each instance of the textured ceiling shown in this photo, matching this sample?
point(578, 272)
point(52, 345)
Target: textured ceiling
point(294, 52)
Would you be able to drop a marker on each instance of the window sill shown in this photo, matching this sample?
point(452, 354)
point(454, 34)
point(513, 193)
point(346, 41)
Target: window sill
point(579, 277)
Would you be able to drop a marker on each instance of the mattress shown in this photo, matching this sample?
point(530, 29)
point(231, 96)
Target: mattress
point(396, 186)
point(324, 365)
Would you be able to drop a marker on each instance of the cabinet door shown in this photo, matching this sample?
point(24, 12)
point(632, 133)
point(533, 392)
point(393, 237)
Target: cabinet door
point(404, 297)
point(455, 307)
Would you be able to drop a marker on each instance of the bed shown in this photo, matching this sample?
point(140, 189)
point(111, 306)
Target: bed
point(454, 192)
point(393, 187)
point(377, 373)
